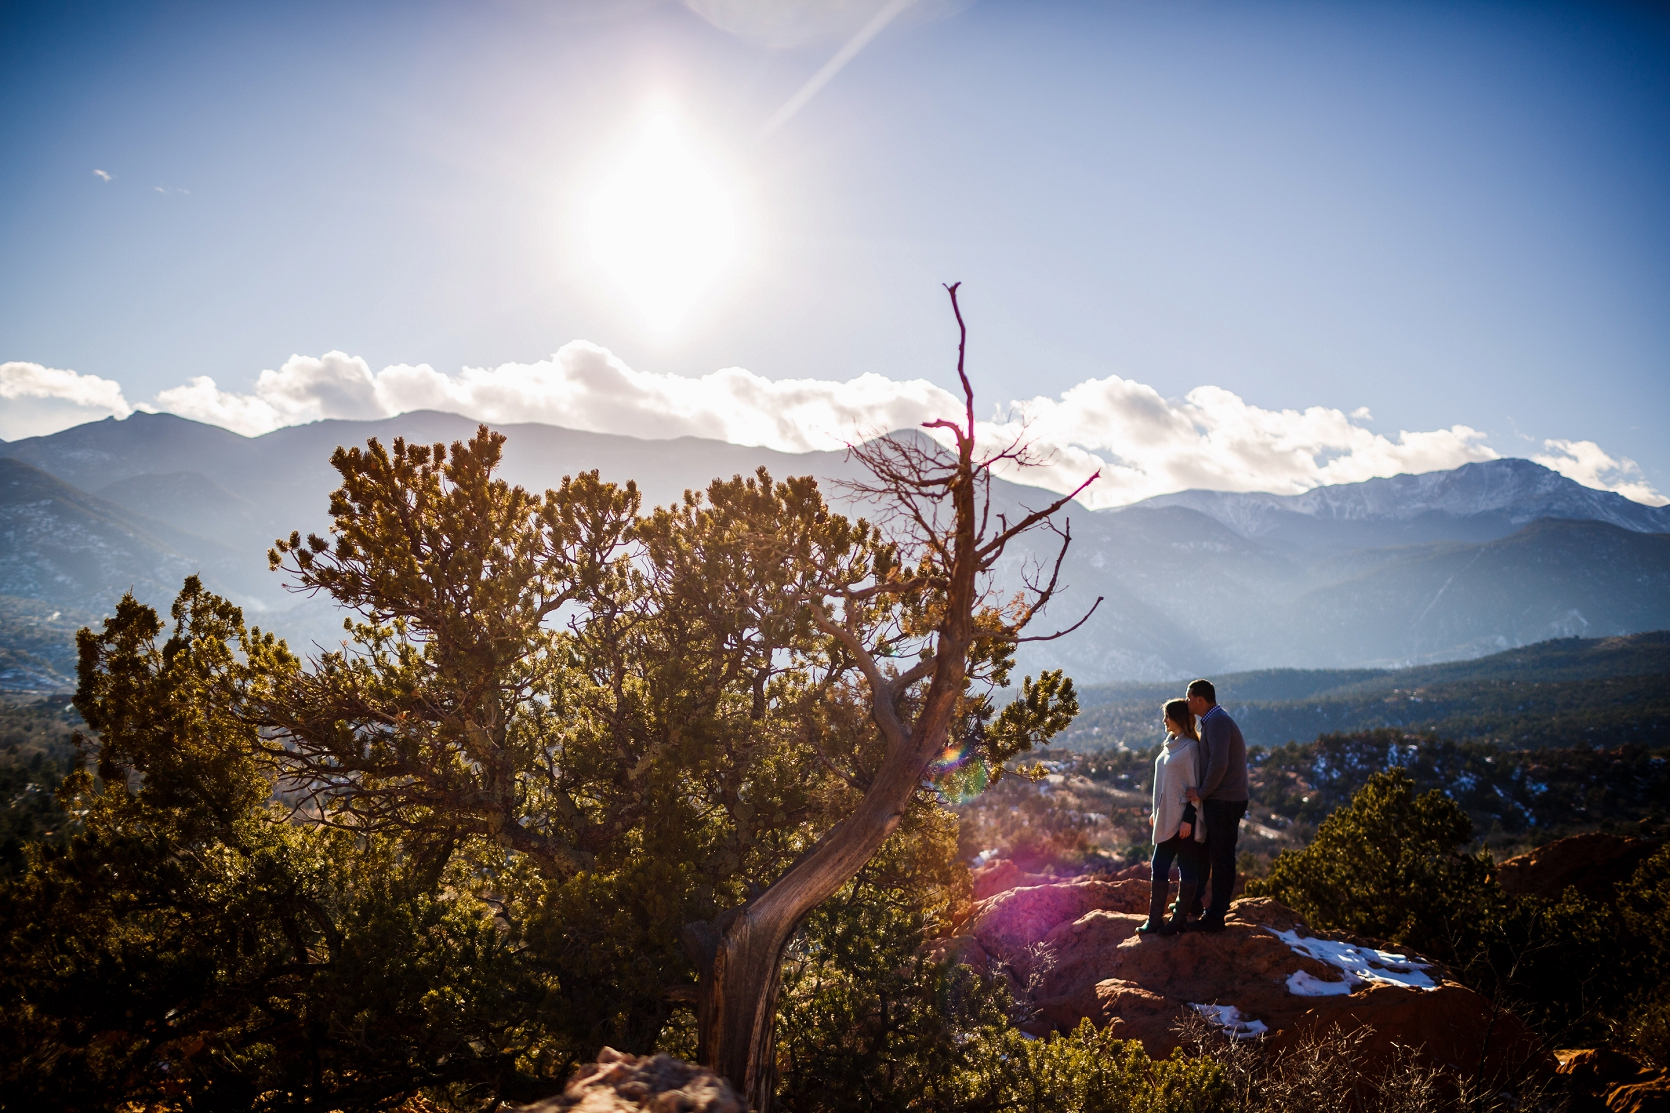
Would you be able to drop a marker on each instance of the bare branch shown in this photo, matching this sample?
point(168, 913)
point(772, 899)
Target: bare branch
point(962, 351)
point(996, 544)
point(1068, 630)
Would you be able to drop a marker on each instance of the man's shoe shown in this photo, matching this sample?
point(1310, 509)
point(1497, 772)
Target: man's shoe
point(1209, 925)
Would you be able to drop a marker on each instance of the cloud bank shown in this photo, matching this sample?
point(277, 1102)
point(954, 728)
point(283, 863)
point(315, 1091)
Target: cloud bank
point(1140, 442)
point(1585, 462)
point(39, 400)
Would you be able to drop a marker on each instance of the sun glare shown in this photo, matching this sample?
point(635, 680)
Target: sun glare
point(662, 222)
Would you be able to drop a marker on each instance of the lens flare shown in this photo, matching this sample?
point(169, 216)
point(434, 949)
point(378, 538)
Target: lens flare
point(959, 774)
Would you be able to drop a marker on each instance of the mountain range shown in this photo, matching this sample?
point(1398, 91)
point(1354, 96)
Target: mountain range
point(1411, 569)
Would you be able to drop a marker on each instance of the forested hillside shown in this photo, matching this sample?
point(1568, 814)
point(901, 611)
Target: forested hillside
point(1089, 811)
point(445, 864)
point(1566, 692)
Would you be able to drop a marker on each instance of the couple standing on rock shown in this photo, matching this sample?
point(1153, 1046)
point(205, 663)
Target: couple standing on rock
point(1200, 795)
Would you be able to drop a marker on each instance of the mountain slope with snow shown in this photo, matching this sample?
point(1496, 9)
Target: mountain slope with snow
point(1475, 502)
point(1442, 566)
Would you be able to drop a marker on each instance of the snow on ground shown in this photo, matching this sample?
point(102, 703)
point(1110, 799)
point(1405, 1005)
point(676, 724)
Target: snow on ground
point(1302, 983)
point(1229, 1018)
point(1362, 965)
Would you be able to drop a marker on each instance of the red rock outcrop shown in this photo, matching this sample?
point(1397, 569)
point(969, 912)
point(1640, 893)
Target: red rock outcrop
point(1074, 950)
point(1601, 1078)
point(621, 1083)
point(1010, 922)
point(1595, 864)
point(1002, 875)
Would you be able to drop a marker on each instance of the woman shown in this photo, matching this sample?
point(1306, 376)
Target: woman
point(1174, 820)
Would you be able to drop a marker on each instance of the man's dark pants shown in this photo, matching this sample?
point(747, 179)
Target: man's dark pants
point(1223, 828)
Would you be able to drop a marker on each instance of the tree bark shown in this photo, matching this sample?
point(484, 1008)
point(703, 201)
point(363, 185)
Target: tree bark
point(740, 954)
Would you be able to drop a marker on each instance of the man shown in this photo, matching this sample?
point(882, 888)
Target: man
point(1222, 797)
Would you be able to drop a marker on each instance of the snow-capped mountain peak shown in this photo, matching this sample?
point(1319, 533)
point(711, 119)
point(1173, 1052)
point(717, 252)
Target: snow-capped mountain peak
point(1516, 491)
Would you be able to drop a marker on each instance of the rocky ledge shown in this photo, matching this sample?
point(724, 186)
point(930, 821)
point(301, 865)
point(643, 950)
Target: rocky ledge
point(1606, 1081)
point(1595, 864)
point(1071, 951)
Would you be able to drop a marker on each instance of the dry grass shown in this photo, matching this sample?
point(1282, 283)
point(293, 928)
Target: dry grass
point(1328, 1070)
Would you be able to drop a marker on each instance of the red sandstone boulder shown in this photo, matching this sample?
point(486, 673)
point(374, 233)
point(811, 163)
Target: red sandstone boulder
point(1596, 1068)
point(1008, 924)
point(1605, 1079)
point(1076, 953)
point(962, 950)
point(1001, 876)
point(621, 1083)
point(1595, 864)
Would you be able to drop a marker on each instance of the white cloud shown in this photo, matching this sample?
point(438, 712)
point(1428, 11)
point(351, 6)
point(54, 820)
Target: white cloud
point(41, 400)
point(1142, 443)
point(1585, 462)
point(103, 174)
point(583, 386)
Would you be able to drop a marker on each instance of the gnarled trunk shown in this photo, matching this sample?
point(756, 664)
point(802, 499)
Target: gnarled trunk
point(739, 955)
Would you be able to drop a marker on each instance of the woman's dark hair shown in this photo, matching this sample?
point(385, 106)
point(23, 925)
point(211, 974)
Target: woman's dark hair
point(1178, 712)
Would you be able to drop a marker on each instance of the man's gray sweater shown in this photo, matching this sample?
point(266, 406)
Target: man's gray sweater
point(1223, 758)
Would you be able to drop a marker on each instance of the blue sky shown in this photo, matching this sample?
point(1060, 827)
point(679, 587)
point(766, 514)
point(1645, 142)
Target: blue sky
point(1443, 214)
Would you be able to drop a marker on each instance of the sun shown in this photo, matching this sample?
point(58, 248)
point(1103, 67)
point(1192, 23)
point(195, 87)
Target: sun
point(662, 222)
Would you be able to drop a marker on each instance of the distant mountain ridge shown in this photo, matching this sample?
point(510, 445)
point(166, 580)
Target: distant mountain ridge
point(1388, 572)
point(1514, 492)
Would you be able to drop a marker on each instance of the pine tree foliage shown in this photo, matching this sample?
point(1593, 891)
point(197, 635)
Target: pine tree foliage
point(455, 855)
point(193, 944)
point(1394, 865)
point(1391, 864)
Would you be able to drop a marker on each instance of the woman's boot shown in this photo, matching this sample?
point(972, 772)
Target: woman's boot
point(1156, 924)
point(1179, 916)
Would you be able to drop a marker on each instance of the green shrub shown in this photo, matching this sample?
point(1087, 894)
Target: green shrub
point(1394, 866)
point(1390, 864)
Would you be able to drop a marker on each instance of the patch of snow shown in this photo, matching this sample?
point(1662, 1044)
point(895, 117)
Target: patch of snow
point(1362, 966)
point(1302, 983)
point(1229, 1018)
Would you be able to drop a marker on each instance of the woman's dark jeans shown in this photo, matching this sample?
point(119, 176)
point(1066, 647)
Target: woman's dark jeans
point(1184, 852)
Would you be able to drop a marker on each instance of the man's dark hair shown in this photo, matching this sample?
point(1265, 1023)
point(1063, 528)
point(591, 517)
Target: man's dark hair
point(1203, 689)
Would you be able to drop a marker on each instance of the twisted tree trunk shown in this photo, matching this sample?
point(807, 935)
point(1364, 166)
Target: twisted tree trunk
point(739, 955)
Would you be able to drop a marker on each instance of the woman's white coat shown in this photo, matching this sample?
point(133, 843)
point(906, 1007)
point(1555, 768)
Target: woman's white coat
point(1174, 774)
